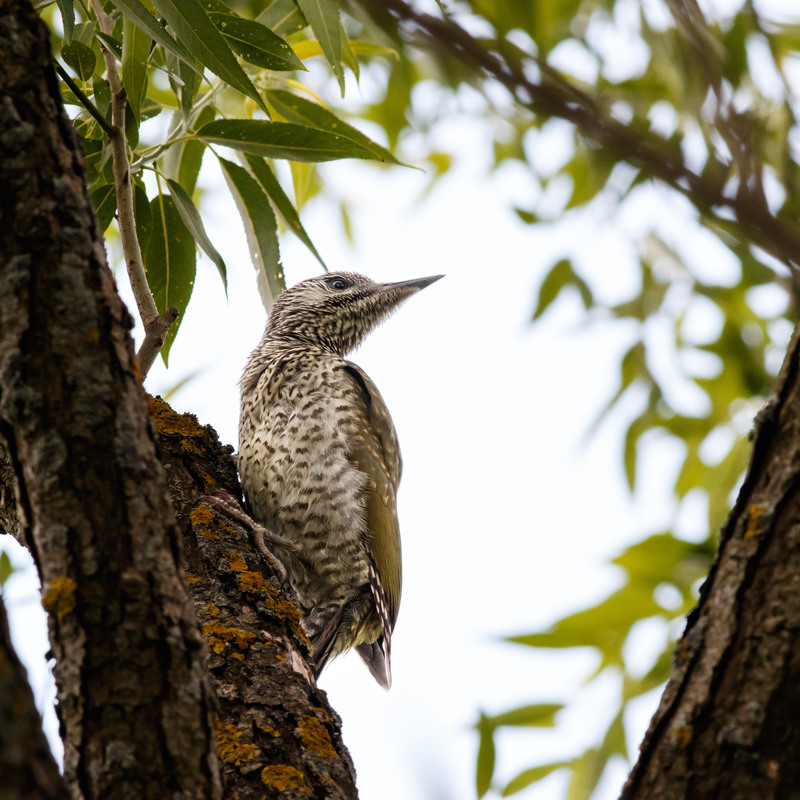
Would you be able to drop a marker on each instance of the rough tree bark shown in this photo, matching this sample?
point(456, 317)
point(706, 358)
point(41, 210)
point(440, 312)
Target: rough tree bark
point(144, 711)
point(728, 725)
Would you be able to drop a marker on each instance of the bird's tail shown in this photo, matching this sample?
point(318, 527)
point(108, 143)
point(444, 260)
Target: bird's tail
point(372, 654)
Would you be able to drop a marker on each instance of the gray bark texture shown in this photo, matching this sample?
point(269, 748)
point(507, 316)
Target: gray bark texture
point(728, 724)
point(160, 693)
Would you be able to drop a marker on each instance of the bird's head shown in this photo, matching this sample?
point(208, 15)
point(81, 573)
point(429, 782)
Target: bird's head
point(336, 311)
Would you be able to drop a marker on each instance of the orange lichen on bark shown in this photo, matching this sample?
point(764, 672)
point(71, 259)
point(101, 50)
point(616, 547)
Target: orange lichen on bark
point(190, 578)
point(316, 738)
point(284, 778)
point(683, 736)
point(210, 610)
point(60, 597)
point(169, 423)
point(255, 583)
point(755, 521)
point(230, 746)
point(220, 636)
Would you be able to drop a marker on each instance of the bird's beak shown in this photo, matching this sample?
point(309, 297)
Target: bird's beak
point(407, 288)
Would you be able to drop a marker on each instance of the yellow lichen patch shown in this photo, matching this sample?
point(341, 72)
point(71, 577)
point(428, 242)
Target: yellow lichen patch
point(201, 515)
point(190, 578)
point(316, 738)
point(284, 778)
point(220, 637)
point(230, 746)
point(60, 597)
point(683, 736)
point(755, 521)
point(256, 583)
point(269, 731)
point(210, 610)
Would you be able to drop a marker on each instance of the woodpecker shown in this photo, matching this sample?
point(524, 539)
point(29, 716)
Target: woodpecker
point(320, 463)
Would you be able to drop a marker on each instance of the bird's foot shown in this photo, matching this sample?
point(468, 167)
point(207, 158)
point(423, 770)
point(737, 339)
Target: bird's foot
point(229, 506)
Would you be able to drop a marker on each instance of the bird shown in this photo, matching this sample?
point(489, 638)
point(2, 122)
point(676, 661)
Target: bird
point(320, 463)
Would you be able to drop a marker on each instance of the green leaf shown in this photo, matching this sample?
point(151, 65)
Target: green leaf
point(283, 17)
point(261, 228)
point(614, 740)
point(183, 160)
point(605, 626)
point(171, 263)
point(486, 756)
point(193, 28)
point(67, 9)
point(256, 43)
point(144, 217)
point(529, 776)
point(282, 140)
point(561, 275)
point(80, 58)
point(136, 46)
point(191, 217)
point(323, 17)
point(587, 770)
point(104, 199)
point(303, 112)
point(112, 44)
point(6, 568)
point(281, 203)
point(143, 19)
point(537, 715)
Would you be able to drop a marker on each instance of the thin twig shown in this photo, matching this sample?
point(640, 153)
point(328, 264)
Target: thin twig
point(153, 323)
point(84, 100)
point(154, 339)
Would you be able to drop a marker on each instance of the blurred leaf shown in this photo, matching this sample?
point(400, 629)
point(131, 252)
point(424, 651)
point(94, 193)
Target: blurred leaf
point(537, 715)
point(256, 43)
point(171, 263)
point(6, 568)
point(67, 9)
point(587, 770)
point(560, 276)
point(80, 58)
point(303, 112)
point(614, 740)
point(261, 228)
point(191, 218)
point(283, 206)
point(323, 17)
point(136, 46)
point(282, 140)
point(486, 756)
point(605, 626)
point(283, 17)
point(529, 776)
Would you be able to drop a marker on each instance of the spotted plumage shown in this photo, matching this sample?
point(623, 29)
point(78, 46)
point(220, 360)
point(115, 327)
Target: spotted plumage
point(320, 463)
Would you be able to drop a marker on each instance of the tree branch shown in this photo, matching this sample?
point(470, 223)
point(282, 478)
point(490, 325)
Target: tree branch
point(553, 95)
point(134, 702)
point(155, 325)
point(28, 768)
point(727, 722)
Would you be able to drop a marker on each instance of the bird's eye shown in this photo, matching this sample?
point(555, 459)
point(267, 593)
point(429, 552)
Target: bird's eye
point(338, 284)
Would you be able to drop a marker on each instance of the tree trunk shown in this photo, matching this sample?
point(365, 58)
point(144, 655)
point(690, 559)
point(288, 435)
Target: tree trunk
point(728, 725)
point(138, 713)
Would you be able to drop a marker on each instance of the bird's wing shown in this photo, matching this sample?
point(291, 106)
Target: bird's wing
point(376, 454)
